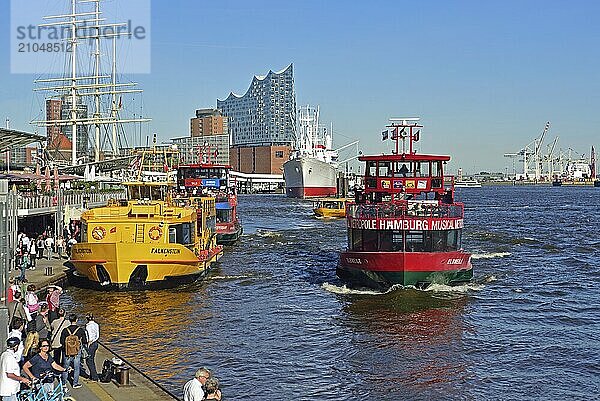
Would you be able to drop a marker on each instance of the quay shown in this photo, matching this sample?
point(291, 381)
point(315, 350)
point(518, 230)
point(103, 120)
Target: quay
point(140, 388)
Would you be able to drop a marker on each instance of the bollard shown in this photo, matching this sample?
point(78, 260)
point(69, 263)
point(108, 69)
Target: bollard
point(123, 375)
point(49, 271)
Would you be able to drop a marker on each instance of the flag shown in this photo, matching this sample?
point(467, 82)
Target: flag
point(384, 135)
point(395, 133)
point(402, 132)
point(120, 102)
point(416, 136)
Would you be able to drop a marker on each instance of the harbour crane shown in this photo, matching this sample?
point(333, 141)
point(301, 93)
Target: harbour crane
point(549, 157)
point(531, 153)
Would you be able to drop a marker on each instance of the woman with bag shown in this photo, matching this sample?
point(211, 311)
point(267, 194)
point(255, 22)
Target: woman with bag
point(31, 300)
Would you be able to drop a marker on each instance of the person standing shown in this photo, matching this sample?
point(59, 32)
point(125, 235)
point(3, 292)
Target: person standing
point(9, 371)
point(49, 244)
point(40, 245)
point(192, 390)
point(16, 330)
point(42, 363)
point(72, 339)
point(16, 308)
point(42, 325)
point(32, 255)
point(93, 334)
point(60, 246)
point(31, 300)
point(58, 325)
point(12, 289)
point(53, 301)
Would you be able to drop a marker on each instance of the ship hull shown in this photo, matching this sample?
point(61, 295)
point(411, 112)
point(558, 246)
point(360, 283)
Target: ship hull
point(308, 177)
point(382, 270)
point(229, 234)
point(127, 266)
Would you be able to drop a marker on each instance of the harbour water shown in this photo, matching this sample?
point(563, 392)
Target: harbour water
point(274, 322)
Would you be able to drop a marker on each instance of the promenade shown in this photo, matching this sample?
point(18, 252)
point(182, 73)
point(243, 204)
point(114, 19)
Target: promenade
point(141, 388)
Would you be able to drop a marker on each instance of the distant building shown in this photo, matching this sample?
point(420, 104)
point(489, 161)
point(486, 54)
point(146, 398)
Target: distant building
point(262, 123)
point(209, 139)
point(203, 149)
point(208, 122)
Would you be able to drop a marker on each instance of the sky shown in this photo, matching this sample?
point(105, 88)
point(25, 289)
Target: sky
point(483, 76)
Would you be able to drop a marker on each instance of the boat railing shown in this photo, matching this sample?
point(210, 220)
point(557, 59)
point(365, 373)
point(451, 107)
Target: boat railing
point(78, 199)
point(417, 209)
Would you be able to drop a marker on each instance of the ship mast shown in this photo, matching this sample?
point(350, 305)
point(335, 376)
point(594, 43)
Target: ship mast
point(398, 134)
point(77, 86)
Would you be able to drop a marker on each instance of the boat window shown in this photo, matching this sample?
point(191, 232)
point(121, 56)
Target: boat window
point(402, 169)
point(415, 241)
point(84, 232)
point(356, 240)
point(438, 241)
point(224, 215)
point(371, 168)
point(391, 241)
point(369, 238)
point(181, 233)
point(384, 169)
point(436, 169)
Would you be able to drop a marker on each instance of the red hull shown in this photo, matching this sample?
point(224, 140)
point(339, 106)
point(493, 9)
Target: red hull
point(310, 192)
point(406, 262)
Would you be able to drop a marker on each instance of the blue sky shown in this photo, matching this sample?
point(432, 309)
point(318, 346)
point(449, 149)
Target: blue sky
point(484, 76)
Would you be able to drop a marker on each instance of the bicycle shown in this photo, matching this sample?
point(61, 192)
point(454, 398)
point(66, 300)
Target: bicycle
point(37, 391)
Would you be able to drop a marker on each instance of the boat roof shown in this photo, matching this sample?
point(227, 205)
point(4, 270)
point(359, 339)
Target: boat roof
point(149, 184)
point(205, 165)
point(333, 199)
point(405, 157)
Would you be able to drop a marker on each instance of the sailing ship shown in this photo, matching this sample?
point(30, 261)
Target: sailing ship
point(312, 168)
point(405, 227)
point(150, 240)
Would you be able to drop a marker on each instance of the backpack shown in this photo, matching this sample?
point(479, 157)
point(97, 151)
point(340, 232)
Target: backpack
point(72, 343)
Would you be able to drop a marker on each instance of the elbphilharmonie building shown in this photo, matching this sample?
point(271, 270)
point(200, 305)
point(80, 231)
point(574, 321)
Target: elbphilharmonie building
point(266, 114)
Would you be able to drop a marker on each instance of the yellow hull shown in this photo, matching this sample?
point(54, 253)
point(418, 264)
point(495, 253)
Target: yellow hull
point(115, 264)
point(330, 213)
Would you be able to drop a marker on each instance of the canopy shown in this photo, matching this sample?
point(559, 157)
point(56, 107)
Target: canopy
point(10, 139)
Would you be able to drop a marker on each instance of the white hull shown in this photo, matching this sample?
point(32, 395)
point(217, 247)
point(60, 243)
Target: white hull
point(307, 177)
point(467, 184)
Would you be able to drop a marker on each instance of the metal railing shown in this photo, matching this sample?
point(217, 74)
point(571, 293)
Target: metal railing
point(79, 199)
point(407, 209)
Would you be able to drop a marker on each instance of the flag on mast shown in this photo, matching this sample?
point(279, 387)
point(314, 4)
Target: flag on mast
point(384, 135)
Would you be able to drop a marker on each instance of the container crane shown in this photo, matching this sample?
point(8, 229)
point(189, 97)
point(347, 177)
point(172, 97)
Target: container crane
point(531, 152)
point(549, 157)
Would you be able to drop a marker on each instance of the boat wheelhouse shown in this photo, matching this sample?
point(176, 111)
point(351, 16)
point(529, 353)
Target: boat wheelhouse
point(213, 179)
point(405, 227)
point(330, 207)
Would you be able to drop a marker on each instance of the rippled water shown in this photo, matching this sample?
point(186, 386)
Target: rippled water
point(274, 322)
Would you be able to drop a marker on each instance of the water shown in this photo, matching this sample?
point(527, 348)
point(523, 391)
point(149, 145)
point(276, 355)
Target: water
point(274, 322)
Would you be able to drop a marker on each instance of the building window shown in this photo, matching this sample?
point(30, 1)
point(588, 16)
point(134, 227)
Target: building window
point(279, 154)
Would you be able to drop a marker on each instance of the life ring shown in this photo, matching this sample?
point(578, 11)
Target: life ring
point(98, 233)
point(155, 233)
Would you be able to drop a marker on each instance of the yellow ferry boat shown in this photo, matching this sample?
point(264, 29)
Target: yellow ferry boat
point(149, 241)
point(330, 207)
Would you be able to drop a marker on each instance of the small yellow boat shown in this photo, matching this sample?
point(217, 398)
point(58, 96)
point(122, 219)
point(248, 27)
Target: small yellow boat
point(330, 207)
point(148, 241)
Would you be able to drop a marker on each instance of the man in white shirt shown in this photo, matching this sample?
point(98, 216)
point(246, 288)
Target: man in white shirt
point(193, 391)
point(9, 371)
point(93, 334)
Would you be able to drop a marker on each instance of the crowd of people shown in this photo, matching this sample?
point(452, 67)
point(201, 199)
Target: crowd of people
point(43, 338)
point(31, 248)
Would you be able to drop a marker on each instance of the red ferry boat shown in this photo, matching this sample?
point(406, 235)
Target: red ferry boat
point(213, 179)
point(404, 227)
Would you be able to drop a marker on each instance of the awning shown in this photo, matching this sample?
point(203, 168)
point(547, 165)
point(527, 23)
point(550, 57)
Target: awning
point(11, 139)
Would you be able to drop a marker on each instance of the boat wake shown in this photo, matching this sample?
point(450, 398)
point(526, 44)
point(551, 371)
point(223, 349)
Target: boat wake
point(490, 255)
point(344, 290)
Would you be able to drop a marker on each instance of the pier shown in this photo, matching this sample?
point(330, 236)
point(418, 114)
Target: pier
point(140, 387)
